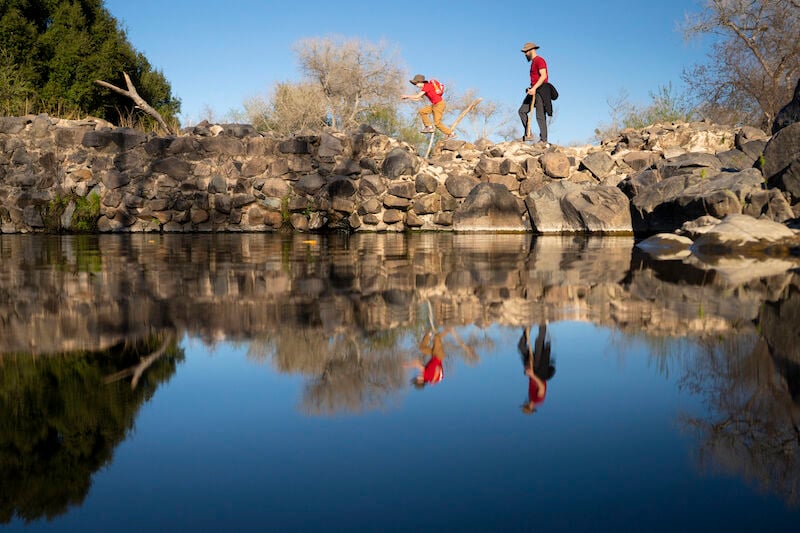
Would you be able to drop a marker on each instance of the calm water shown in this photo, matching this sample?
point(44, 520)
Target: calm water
point(265, 382)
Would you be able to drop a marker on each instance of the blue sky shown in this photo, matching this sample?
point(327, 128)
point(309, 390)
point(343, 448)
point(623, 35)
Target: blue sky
point(216, 54)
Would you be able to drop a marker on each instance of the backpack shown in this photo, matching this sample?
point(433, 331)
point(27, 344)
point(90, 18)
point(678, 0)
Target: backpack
point(438, 87)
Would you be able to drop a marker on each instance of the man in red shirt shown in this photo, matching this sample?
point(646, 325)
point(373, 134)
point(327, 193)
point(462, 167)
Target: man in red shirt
point(539, 367)
point(538, 78)
point(433, 90)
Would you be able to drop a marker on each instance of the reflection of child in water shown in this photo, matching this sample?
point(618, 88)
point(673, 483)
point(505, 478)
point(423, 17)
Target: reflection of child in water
point(431, 372)
point(538, 366)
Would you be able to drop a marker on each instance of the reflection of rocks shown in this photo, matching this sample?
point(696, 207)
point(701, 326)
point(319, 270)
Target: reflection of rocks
point(739, 247)
point(67, 293)
point(751, 428)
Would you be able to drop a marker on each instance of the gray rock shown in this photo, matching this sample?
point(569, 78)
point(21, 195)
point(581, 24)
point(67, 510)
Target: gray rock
point(566, 207)
point(459, 186)
point(789, 181)
point(218, 184)
point(735, 160)
point(393, 216)
point(688, 163)
point(310, 184)
point(781, 151)
point(294, 146)
point(113, 179)
point(754, 149)
point(403, 189)
point(666, 246)
point(640, 160)
point(348, 167)
point(770, 204)
point(340, 187)
point(276, 188)
point(299, 222)
point(665, 206)
point(789, 114)
point(399, 162)
point(428, 204)
point(599, 164)
point(425, 183)
point(555, 164)
point(488, 207)
point(598, 209)
point(372, 185)
point(747, 134)
point(13, 125)
point(329, 146)
point(391, 201)
point(222, 145)
point(175, 168)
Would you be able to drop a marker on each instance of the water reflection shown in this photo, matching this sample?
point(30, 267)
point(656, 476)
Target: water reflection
point(751, 385)
point(89, 329)
point(538, 364)
point(62, 416)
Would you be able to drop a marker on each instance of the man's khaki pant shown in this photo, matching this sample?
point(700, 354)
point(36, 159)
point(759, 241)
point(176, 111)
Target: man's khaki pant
point(438, 111)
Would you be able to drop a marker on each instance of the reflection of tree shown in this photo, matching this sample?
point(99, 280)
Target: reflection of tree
point(752, 427)
point(354, 378)
point(348, 371)
point(60, 422)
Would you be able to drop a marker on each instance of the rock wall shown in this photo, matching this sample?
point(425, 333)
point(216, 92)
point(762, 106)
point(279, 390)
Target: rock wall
point(84, 176)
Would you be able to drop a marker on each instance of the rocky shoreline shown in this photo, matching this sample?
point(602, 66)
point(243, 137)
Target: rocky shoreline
point(61, 176)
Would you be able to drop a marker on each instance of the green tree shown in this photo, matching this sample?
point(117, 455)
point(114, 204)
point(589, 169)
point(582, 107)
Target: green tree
point(58, 48)
point(62, 416)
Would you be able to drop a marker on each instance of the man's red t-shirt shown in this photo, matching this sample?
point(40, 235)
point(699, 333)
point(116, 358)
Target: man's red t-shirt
point(538, 64)
point(533, 391)
point(433, 373)
point(430, 92)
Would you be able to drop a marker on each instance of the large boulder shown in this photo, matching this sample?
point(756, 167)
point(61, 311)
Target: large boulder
point(780, 158)
point(790, 113)
point(665, 206)
point(746, 235)
point(399, 162)
point(488, 207)
point(599, 209)
point(544, 208)
point(566, 207)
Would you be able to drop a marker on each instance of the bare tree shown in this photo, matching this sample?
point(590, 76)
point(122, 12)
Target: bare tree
point(488, 119)
point(754, 60)
point(355, 77)
point(290, 108)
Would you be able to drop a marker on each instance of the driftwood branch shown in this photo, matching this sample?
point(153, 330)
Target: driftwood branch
point(144, 363)
point(138, 100)
point(469, 108)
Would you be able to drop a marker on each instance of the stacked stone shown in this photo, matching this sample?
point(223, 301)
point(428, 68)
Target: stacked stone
point(231, 178)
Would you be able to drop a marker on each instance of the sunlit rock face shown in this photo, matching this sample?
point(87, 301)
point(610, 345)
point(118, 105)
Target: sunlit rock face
point(84, 176)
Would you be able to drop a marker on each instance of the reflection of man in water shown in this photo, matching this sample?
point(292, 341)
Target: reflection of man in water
point(431, 372)
point(538, 366)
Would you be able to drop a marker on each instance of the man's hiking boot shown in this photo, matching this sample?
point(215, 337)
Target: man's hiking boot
point(429, 129)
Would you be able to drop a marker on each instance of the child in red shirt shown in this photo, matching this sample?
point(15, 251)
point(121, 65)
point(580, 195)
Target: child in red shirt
point(433, 371)
point(437, 107)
